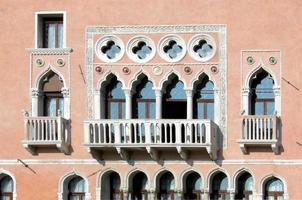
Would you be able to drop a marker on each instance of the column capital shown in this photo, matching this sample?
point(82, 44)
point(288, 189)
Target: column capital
point(128, 92)
point(189, 92)
point(65, 92)
point(35, 92)
point(246, 91)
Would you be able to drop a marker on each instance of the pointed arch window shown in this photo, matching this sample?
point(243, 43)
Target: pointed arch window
point(76, 189)
point(166, 186)
point(193, 187)
point(6, 188)
point(139, 185)
point(244, 187)
point(219, 187)
point(144, 100)
point(274, 190)
point(115, 100)
point(52, 97)
point(262, 94)
point(203, 107)
point(174, 97)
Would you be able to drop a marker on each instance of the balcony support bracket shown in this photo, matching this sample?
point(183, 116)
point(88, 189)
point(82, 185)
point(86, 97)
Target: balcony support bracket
point(153, 153)
point(123, 153)
point(243, 148)
point(275, 148)
point(30, 149)
point(182, 153)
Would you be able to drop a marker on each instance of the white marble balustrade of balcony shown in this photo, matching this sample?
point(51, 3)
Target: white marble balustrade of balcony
point(46, 131)
point(152, 135)
point(260, 130)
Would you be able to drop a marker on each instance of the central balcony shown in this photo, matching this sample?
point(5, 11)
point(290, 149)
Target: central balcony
point(151, 135)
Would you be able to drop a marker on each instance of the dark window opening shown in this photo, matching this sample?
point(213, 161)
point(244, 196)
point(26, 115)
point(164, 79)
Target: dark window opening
point(174, 100)
point(139, 183)
point(193, 187)
point(244, 187)
point(166, 186)
point(115, 182)
point(219, 187)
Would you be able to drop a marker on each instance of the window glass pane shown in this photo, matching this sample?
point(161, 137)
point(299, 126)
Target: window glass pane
point(5, 198)
point(210, 111)
point(60, 35)
point(207, 92)
point(51, 36)
point(77, 184)
point(147, 92)
point(6, 184)
point(123, 110)
point(177, 91)
point(141, 110)
point(74, 198)
point(197, 184)
point(152, 110)
point(113, 110)
point(275, 185)
point(200, 110)
point(270, 108)
point(61, 105)
point(51, 107)
point(259, 108)
point(248, 185)
point(117, 92)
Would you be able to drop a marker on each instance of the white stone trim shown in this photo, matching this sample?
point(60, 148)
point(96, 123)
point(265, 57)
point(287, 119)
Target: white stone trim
point(196, 38)
point(64, 13)
point(7, 173)
point(100, 42)
point(67, 177)
point(294, 162)
point(166, 39)
point(133, 41)
point(167, 78)
point(137, 76)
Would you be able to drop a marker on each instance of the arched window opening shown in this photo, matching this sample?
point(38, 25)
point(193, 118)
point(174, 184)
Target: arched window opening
point(244, 187)
point(144, 100)
point(114, 100)
point(219, 187)
point(76, 188)
point(274, 190)
point(52, 103)
point(174, 100)
point(203, 107)
point(193, 187)
point(139, 184)
point(111, 186)
point(6, 188)
point(262, 94)
point(166, 186)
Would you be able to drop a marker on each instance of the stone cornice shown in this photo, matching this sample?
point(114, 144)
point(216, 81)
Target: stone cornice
point(47, 51)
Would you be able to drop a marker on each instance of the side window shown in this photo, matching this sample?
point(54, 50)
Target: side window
point(50, 30)
point(6, 188)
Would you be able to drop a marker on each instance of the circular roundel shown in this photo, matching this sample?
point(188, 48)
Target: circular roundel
point(109, 49)
point(141, 49)
point(172, 48)
point(202, 47)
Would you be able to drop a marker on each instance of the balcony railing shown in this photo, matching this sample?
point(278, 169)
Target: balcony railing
point(46, 131)
point(262, 130)
point(152, 135)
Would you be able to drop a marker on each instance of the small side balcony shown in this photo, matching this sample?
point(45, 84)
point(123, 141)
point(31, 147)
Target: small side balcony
point(151, 135)
point(46, 132)
point(260, 130)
